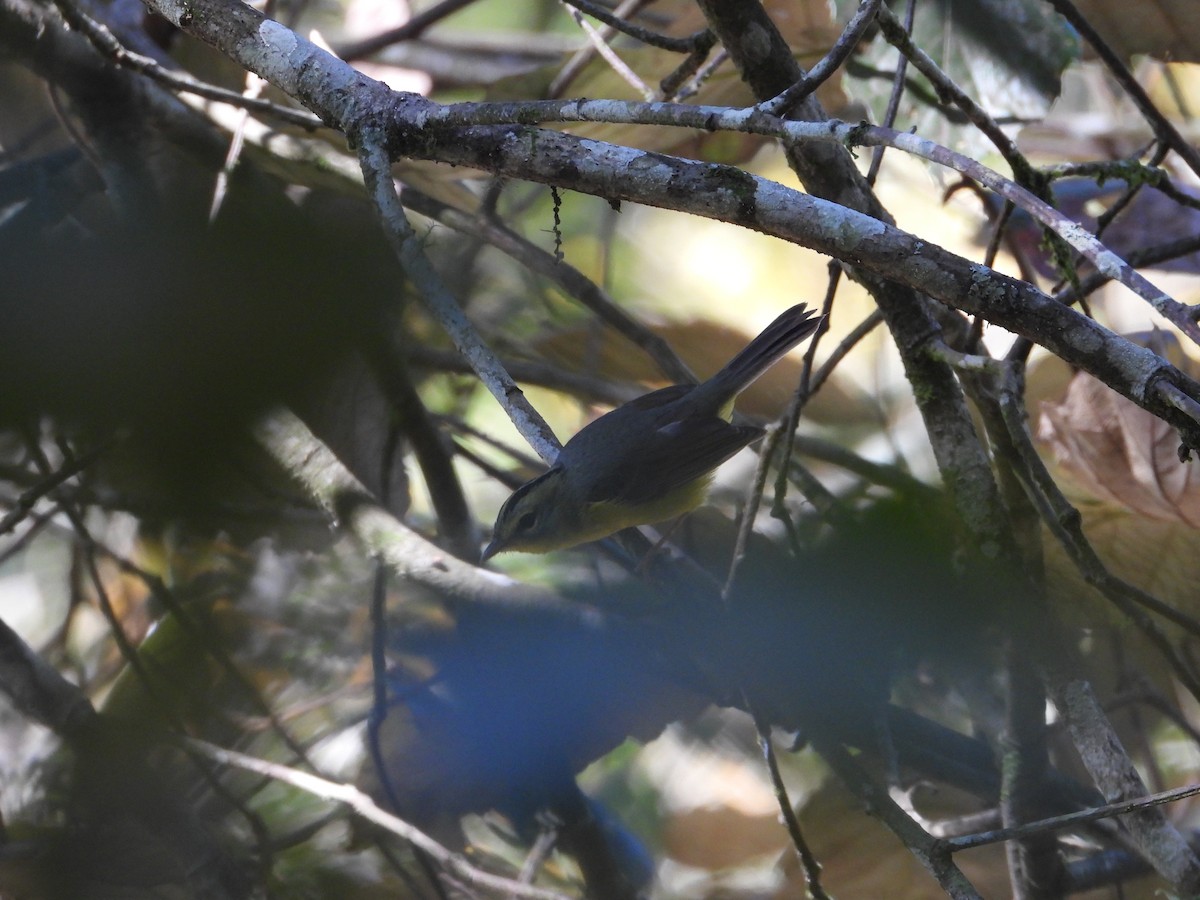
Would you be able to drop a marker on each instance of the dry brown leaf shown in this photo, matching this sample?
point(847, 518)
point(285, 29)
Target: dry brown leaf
point(1120, 453)
point(1162, 28)
point(1140, 514)
point(721, 837)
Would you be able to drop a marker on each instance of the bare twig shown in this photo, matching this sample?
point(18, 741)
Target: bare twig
point(692, 70)
point(804, 389)
point(413, 28)
point(750, 511)
point(812, 866)
point(254, 87)
point(457, 526)
point(828, 64)
point(566, 276)
point(949, 92)
point(609, 55)
point(645, 35)
point(842, 350)
point(899, 82)
point(889, 476)
point(106, 42)
point(933, 854)
point(29, 498)
point(365, 807)
point(1162, 126)
point(542, 374)
point(575, 65)
point(1069, 820)
point(442, 305)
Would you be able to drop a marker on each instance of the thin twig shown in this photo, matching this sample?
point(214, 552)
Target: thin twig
point(754, 494)
point(812, 866)
point(363, 806)
point(933, 853)
point(254, 87)
point(1069, 820)
point(645, 35)
point(579, 60)
point(441, 303)
point(410, 30)
point(1144, 257)
point(898, 36)
point(1162, 126)
point(828, 64)
point(379, 712)
point(413, 421)
point(29, 498)
point(1065, 523)
point(570, 279)
point(609, 55)
point(999, 230)
point(703, 74)
point(899, 83)
point(379, 688)
point(803, 392)
point(672, 85)
point(842, 350)
point(107, 43)
point(889, 476)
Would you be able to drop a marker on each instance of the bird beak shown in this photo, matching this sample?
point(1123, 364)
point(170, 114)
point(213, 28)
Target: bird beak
point(490, 550)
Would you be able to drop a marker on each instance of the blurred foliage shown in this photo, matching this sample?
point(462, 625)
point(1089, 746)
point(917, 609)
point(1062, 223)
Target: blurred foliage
point(1009, 55)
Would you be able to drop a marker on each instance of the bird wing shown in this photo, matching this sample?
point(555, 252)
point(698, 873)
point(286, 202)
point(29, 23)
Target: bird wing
point(680, 452)
point(661, 397)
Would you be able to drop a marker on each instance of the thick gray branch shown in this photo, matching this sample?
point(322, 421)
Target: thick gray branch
point(350, 101)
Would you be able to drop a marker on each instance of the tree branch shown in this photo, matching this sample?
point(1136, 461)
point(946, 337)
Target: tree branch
point(365, 807)
point(443, 306)
point(350, 101)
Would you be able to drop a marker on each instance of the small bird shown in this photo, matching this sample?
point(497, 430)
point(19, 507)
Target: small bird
point(648, 460)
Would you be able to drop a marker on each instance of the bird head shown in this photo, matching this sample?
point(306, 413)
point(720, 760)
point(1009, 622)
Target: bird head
point(537, 517)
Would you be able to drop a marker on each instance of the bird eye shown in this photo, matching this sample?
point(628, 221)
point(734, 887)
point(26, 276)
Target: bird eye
point(526, 521)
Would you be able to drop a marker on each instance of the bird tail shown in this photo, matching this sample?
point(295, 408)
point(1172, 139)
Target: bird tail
point(790, 328)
